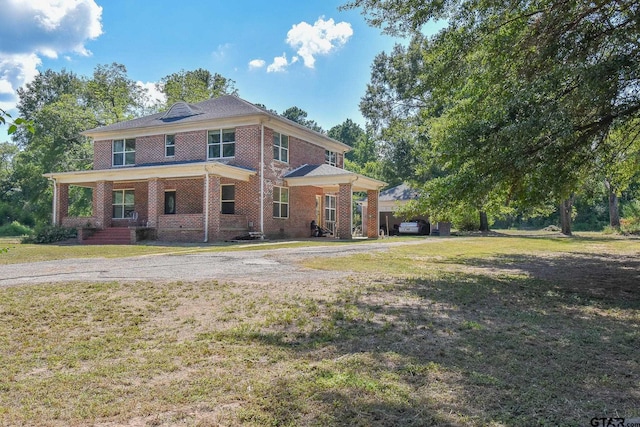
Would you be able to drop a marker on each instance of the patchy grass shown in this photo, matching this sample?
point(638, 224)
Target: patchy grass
point(480, 332)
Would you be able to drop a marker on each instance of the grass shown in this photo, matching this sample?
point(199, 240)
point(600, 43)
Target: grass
point(500, 331)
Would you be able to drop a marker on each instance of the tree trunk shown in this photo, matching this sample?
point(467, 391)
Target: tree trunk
point(484, 222)
point(565, 216)
point(614, 211)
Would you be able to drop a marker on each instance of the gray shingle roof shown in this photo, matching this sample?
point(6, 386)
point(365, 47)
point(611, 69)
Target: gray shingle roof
point(317, 170)
point(399, 192)
point(181, 112)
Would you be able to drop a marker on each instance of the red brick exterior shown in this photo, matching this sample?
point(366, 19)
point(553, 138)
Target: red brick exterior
point(372, 225)
point(192, 213)
point(343, 215)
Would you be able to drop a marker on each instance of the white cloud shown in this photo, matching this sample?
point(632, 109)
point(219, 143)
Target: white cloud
point(318, 39)
point(256, 63)
point(30, 30)
point(279, 64)
point(154, 96)
point(221, 52)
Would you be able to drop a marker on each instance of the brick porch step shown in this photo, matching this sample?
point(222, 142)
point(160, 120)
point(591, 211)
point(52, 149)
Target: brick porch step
point(109, 236)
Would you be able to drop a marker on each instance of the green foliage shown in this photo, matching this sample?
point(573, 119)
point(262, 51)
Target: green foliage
point(630, 225)
point(14, 229)
point(111, 95)
point(9, 213)
point(519, 102)
point(50, 234)
point(298, 115)
point(195, 86)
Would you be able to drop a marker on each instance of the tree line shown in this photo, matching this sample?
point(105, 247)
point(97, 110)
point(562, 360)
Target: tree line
point(515, 109)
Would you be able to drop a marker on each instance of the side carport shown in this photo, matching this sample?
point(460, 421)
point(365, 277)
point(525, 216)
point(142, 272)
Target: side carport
point(341, 183)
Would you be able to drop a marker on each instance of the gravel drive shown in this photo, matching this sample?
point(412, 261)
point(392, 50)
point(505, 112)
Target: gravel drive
point(251, 265)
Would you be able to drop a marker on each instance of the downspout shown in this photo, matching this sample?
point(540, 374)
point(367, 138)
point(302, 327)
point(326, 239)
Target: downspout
point(206, 207)
point(262, 177)
point(55, 202)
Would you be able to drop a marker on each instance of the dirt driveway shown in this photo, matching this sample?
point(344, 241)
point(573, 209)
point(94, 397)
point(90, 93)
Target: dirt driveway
point(251, 265)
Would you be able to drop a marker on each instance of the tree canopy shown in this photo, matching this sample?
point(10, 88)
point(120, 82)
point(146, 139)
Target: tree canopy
point(195, 86)
point(517, 101)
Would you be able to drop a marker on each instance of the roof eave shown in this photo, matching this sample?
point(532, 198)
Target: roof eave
point(147, 172)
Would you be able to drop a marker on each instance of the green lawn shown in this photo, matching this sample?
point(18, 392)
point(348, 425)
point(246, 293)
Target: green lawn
point(486, 331)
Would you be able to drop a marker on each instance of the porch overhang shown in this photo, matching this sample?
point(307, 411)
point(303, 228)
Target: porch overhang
point(330, 177)
point(144, 172)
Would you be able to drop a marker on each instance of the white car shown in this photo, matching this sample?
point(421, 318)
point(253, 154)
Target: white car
point(415, 226)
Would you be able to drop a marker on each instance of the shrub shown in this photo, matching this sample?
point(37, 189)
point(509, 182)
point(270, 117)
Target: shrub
point(50, 234)
point(14, 229)
point(630, 225)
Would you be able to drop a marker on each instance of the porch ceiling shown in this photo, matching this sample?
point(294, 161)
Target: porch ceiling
point(141, 173)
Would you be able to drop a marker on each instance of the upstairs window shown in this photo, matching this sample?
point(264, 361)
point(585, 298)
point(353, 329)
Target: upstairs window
point(169, 145)
point(280, 202)
point(331, 158)
point(124, 152)
point(281, 147)
point(221, 143)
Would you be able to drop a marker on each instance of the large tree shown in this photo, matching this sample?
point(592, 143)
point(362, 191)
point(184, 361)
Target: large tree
point(519, 98)
point(112, 95)
point(195, 86)
point(298, 115)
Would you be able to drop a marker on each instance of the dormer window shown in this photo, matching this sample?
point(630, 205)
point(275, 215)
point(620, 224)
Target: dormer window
point(124, 152)
point(221, 144)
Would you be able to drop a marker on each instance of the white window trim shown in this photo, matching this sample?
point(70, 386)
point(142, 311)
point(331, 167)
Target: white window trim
point(328, 223)
point(123, 152)
point(327, 157)
point(281, 149)
point(123, 190)
point(222, 144)
point(166, 146)
point(279, 202)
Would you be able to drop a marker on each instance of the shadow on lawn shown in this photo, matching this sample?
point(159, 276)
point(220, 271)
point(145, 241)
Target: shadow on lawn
point(558, 347)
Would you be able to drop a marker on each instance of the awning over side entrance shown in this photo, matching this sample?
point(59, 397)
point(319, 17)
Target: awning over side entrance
point(330, 177)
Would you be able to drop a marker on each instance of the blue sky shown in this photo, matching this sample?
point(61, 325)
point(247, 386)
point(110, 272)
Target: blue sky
point(280, 53)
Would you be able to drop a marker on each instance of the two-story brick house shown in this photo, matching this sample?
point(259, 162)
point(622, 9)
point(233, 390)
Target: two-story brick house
point(213, 170)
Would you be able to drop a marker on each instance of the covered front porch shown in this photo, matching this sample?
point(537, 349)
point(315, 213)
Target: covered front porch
point(176, 202)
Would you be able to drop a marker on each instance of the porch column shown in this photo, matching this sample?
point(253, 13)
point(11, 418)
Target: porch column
point(62, 202)
point(156, 201)
point(344, 214)
point(212, 209)
point(103, 203)
point(372, 214)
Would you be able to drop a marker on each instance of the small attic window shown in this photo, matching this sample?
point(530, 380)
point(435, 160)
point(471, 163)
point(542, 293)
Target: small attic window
point(180, 110)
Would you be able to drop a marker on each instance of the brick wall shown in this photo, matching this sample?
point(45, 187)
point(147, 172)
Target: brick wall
point(343, 213)
point(191, 146)
point(181, 228)
point(189, 195)
point(102, 154)
point(371, 214)
point(150, 149)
